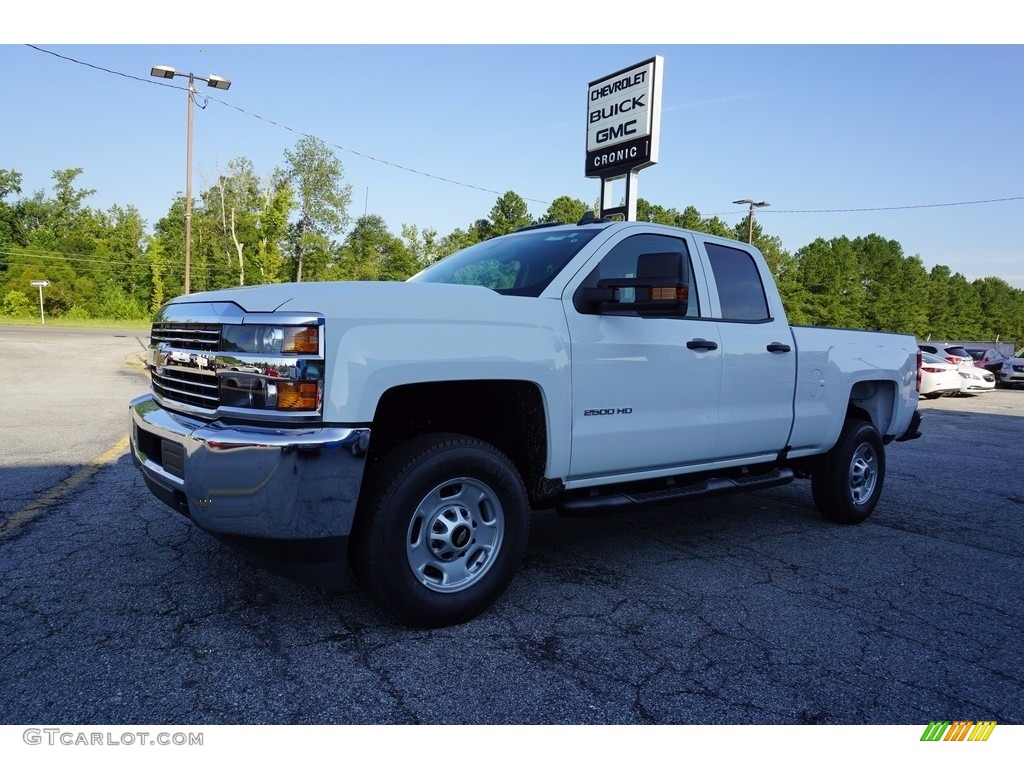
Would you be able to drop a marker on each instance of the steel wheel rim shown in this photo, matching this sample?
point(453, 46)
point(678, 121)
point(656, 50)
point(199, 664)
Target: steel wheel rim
point(455, 535)
point(863, 473)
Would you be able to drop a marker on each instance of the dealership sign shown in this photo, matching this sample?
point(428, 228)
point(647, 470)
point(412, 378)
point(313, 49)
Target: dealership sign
point(624, 120)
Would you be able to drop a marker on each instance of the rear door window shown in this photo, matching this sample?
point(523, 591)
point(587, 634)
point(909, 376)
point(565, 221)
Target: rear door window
point(740, 290)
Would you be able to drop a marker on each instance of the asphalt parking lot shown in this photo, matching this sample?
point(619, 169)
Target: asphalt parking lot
point(740, 610)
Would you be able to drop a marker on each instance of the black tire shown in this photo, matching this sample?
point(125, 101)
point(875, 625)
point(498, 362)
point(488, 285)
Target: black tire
point(847, 485)
point(441, 527)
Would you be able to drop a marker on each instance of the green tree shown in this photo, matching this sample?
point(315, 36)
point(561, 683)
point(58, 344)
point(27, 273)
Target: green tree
point(942, 321)
point(155, 256)
point(460, 238)
point(911, 307)
point(169, 236)
point(656, 214)
point(316, 174)
point(508, 214)
point(966, 305)
point(86, 297)
point(11, 232)
point(67, 202)
point(895, 291)
point(425, 248)
point(784, 269)
point(1002, 307)
point(17, 304)
point(715, 226)
point(365, 249)
point(690, 218)
point(235, 206)
point(118, 248)
point(566, 209)
point(830, 275)
point(277, 200)
point(115, 304)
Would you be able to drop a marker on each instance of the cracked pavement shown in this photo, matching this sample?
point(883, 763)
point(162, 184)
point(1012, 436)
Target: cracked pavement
point(743, 609)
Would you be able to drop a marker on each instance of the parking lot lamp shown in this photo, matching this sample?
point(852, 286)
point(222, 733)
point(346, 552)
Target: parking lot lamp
point(214, 81)
point(750, 215)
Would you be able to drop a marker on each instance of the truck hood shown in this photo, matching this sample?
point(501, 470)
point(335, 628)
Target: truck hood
point(303, 297)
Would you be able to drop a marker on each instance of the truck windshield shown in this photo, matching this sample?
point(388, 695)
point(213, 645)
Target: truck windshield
point(520, 264)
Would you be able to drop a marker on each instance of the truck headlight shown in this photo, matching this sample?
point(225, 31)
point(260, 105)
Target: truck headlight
point(272, 339)
point(269, 339)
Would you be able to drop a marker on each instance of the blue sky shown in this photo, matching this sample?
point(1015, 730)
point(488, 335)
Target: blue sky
point(430, 135)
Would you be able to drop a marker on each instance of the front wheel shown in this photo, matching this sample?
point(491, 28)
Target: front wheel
point(847, 485)
point(440, 529)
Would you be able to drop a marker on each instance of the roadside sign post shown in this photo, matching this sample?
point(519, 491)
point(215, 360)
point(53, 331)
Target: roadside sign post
point(40, 284)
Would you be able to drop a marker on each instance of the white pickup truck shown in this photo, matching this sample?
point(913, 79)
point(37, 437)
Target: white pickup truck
point(409, 428)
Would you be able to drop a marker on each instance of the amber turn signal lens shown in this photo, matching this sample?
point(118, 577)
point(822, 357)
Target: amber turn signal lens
point(670, 293)
point(297, 395)
point(302, 341)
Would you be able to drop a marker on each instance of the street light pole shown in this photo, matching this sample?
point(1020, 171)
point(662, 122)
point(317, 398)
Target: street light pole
point(214, 81)
point(750, 215)
point(188, 185)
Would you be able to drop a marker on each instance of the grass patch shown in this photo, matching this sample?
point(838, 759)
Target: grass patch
point(60, 322)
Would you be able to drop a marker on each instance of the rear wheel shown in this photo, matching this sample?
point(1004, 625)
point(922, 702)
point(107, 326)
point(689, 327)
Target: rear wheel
point(440, 529)
point(847, 485)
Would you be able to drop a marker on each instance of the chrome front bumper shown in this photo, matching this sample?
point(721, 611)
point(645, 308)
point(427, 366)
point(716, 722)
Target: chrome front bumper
point(266, 482)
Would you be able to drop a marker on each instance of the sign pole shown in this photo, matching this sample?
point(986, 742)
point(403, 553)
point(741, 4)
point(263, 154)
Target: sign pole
point(40, 284)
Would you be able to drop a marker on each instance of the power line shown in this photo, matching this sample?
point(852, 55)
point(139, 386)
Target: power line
point(370, 157)
point(57, 256)
point(104, 69)
point(120, 264)
point(289, 128)
point(895, 207)
point(766, 211)
point(492, 191)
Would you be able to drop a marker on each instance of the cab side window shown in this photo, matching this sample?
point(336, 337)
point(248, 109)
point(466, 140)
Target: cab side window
point(740, 290)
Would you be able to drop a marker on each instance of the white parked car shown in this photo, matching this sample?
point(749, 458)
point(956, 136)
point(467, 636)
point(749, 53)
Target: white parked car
point(938, 377)
point(974, 380)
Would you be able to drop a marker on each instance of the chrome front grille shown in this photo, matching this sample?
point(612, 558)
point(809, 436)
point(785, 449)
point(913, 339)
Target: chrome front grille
point(185, 386)
point(179, 363)
point(198, 336)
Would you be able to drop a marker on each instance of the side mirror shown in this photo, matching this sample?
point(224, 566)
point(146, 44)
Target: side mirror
point(644, 296)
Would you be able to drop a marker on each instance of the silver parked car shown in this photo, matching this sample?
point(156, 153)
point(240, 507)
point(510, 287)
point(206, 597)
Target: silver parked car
point(1011, 374)
point(952, 353)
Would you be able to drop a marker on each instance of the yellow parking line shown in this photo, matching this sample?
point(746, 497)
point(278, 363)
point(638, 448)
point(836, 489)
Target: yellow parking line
point(43, 502)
